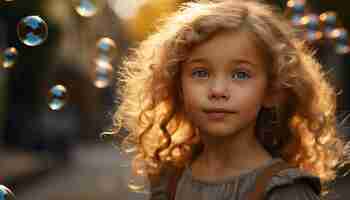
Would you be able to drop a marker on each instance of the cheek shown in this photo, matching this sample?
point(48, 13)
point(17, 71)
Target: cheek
point(191, 95)
point(252, 99)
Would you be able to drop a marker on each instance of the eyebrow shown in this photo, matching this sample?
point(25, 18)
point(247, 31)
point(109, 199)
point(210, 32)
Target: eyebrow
point(194, 60)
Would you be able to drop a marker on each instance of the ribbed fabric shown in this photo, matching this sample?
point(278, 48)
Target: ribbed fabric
point(289, 184)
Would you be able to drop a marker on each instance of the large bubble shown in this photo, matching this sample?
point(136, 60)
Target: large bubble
point(6, 193)
point(32, 30)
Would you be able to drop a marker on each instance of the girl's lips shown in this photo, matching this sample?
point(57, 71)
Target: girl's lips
point(217, 115)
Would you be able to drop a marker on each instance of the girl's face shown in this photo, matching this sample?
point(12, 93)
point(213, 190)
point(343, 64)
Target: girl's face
point(224, 84)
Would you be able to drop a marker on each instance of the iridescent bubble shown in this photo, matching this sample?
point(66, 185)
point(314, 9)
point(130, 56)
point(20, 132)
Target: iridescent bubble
point(341, 48)
point(32, 30)
point(9, 57)
point(297, 20)
point(107, 136)
point(139, 184)
point(107, 49)
point(86, 8)
point(57, 97)
point(313, 35)
point(6, 193)
point(311, 22)
point(103, 74)
point(113, 138)
point(329, 18)
point(135, 187)
point(328, 31)
point(340, 35)
point(296, 6)
point(329, 22)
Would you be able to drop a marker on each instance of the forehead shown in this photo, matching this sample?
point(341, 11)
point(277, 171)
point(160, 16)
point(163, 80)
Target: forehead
point(229, 45)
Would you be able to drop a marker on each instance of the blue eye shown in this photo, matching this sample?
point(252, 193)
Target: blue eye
point(199, 73)
point(241, 75)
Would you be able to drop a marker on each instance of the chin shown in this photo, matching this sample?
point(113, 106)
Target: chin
point(219, 132)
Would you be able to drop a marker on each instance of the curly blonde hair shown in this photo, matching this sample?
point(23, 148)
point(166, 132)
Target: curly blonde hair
point(303, 131)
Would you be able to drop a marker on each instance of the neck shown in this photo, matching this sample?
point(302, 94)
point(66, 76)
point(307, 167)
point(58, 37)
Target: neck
point(239, 151)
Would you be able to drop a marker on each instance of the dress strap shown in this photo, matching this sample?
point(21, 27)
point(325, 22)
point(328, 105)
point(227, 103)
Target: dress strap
point(172, 185)
point(263, 179)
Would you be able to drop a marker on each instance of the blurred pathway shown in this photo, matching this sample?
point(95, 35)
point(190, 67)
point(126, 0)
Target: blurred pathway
point(93, 174)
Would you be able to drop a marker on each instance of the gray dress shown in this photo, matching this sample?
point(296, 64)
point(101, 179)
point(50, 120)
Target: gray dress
point(289, 184)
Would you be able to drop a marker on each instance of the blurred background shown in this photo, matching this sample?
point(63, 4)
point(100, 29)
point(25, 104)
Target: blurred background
point(57, 88)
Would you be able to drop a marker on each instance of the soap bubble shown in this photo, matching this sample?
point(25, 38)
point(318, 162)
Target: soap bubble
point(297, 20)
point(103, 74)
point(137, 185)
point(340, 35)
point(57, 97)
point(296, 6)
point(313, 35)
point(342, 49)
point(107, 49)
point(114, 138)
point(86, 8)
point(32, 30)
point(329, 18)
point(9, 57)
point(138, 181)
point(311, 22)
point(6, 193)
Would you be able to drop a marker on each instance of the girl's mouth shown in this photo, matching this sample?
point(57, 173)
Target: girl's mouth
point(217, 116)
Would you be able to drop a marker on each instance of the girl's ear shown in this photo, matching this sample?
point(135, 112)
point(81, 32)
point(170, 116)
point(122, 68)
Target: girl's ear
point(275, 97)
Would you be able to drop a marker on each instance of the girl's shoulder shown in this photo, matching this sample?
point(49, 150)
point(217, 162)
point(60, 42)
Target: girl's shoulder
point(293, 183)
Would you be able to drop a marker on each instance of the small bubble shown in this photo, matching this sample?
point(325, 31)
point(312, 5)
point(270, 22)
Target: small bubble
point(313, 35)
point(107, 136)
point(86, 8)
point(57, 97)
point(311, 21)
point(297, 20)
point(129, 148)
point(342, 49)
point(6, 193)
point(340, 35)
point(138, 184)
point(112, 138)
point(32, 30)
point(329, 18)
point(107, 49)
point(9, 57)
point(103, 74)
point(297, 6)
point(135, 187)
point(328, 31)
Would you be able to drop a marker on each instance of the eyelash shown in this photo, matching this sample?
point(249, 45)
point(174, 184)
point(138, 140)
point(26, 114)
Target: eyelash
point(247, 76)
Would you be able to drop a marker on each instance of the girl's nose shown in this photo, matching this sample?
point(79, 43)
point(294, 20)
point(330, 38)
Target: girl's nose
point(219, 90)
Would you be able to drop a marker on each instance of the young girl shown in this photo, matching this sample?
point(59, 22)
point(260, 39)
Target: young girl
point(220, 94)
